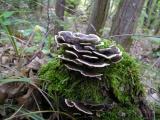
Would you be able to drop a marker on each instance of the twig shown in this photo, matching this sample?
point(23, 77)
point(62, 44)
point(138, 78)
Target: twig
point(133, 35)
point(43, 95)
point(36, 102)
point(8, 68)
point(48, 16)
point(14, 114)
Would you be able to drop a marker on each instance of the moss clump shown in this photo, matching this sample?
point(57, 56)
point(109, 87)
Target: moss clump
point(69, 84)
point(55, 76)
point(122, 113)
point(122, 79)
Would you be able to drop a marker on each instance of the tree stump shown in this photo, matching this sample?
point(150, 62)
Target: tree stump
point(95, 79)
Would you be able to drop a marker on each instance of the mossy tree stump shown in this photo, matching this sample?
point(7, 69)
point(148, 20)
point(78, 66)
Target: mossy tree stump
point(111, 91)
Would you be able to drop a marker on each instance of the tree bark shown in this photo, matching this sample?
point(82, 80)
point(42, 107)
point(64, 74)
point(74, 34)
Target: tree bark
point(157, 29)
point(125, 21)
point(59, 10)
point(98, 17)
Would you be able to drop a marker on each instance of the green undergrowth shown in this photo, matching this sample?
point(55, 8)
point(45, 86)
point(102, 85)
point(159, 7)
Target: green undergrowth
point(121, 78)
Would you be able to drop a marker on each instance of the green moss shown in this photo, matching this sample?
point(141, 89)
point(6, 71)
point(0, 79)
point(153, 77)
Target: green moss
point(72, 86)
point(86, 90)
point(55, 76)
point(106, 43)
point(123, 78)
point(122, 113)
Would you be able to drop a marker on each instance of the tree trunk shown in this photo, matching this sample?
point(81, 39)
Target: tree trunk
point(151, 9)
point(157, 26)
point(157, 29)
point(125, 21)
point(98, 17)
point(59, 10)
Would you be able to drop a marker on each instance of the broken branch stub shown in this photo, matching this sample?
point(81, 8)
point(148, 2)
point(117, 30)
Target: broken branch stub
point(81, 53)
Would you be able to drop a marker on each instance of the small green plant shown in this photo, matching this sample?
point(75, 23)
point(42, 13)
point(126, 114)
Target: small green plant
point(5, 23)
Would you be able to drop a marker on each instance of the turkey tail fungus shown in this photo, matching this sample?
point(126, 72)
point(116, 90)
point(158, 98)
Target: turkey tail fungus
point(84, 57)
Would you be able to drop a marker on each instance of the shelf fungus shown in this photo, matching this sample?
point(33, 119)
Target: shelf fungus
point(88, 108)
point(82, 54)
point(78, 106)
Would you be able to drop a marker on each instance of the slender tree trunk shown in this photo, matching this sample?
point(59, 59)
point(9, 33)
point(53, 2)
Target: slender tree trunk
point(157, 29)
point(157, 26)
point(59, 10)
point(98, 16)
point(151, 9)
point(125, 21)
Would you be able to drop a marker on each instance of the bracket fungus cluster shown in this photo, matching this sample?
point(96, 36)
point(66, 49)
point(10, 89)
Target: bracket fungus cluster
point(83, 54)
point(88, 108)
